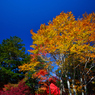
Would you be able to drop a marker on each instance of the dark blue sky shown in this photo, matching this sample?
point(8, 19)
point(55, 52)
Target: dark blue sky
point(18, 17)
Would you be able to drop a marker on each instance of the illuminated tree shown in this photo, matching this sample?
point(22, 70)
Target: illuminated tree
point(70, 44)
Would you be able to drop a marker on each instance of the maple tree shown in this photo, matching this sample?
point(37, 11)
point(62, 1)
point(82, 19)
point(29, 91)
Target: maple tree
point(46, 85)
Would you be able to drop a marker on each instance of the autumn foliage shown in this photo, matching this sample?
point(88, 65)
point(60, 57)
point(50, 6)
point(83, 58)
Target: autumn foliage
point(71, 43)
point(16, 89)
point(68, 44)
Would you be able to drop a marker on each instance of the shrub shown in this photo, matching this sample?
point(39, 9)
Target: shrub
point(16, 89)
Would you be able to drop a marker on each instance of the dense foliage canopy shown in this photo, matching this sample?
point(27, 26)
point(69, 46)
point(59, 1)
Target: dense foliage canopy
point(70, 44)
point(66, 43)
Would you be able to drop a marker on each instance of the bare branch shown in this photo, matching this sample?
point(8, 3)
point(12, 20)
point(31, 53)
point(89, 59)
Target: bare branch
point(90, 69)
point(91, 80)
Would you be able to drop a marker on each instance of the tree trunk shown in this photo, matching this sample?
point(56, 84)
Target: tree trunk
point(85, 88)
point(81, 85)
point(73, 87)
point(62, 58)
point(62, 89)
point(68, 84)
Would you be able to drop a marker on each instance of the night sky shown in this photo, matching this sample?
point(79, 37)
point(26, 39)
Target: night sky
point(18, 17)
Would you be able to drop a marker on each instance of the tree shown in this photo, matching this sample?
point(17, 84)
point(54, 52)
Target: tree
point(12, 54)
point(68, 41)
